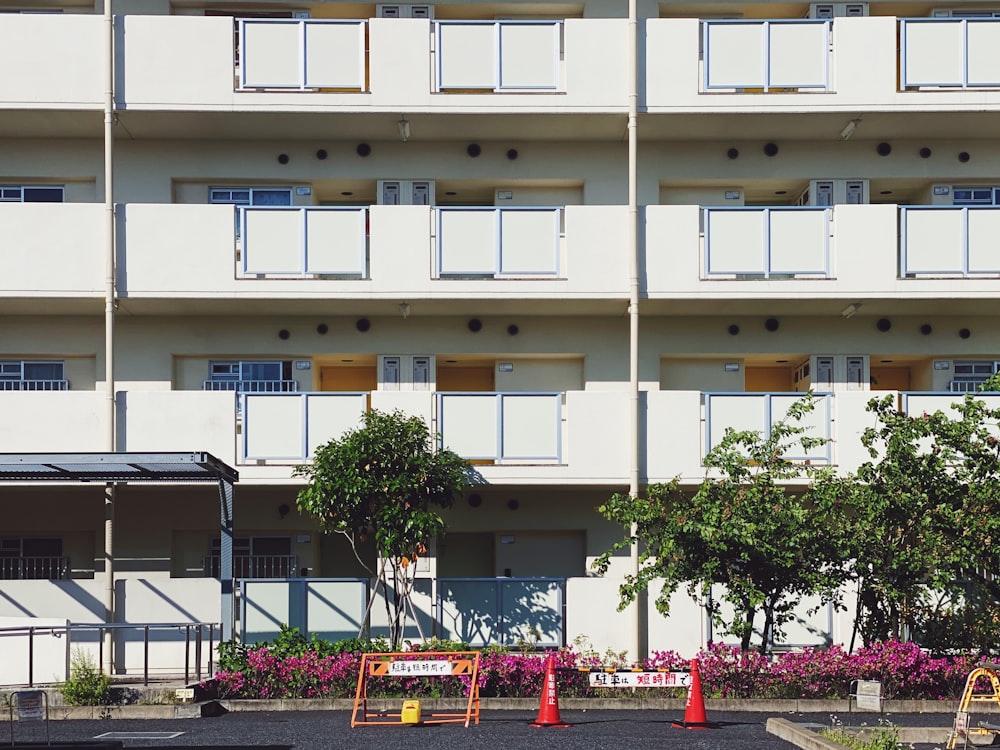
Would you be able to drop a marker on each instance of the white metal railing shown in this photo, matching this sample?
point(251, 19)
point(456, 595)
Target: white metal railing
point(767, 242)
point(759, 412)
point(509, 427)
point(949, 52)
point(766, 56)
point(498, 55)
point(949, 240)
point(305, 241)
point(302, 55)
point(289, 426)
point(252, 386)
point(34, 385)
point(498, 242)
point(254, 566)
point(48, 568)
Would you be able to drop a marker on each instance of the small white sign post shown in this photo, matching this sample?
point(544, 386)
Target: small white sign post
point(868, 695)
point(32, 705)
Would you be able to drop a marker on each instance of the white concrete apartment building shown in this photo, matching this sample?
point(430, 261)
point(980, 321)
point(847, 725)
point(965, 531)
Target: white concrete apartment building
point(579, 239)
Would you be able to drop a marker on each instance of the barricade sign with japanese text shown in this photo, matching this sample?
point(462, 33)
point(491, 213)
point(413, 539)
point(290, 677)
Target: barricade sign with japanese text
point(461, 665)
point(633, 679)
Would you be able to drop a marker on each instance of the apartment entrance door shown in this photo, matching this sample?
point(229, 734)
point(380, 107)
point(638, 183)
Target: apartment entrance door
point(767, 379)
point(354, 378)
point(890, 378)
point(456, 377)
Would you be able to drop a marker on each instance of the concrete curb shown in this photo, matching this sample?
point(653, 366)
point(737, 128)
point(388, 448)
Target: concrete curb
point(672, 705)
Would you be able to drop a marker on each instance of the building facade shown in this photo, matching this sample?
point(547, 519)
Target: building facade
point(579, 239)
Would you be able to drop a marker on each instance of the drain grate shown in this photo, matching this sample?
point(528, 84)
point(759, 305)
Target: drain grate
point(138, 735)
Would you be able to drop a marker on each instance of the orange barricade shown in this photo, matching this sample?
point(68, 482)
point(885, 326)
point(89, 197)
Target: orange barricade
point(429, 664)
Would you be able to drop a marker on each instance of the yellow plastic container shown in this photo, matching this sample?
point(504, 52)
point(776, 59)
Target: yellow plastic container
point(411, 712)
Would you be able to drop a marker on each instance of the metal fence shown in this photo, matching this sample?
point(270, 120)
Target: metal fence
point(191, 636)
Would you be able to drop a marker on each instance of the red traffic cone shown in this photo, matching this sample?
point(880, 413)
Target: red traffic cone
point(694, 711)
point(548, 710)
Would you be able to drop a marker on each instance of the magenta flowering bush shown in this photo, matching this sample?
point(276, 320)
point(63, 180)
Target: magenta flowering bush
point(904, 670)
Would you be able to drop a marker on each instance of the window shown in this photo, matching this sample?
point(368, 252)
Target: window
point(976, 196)
point(255, 557)
point(970, 375)
point(44, 375)
point(32, 194)
point(251, 376)
point(32, 558)
point(264, 196)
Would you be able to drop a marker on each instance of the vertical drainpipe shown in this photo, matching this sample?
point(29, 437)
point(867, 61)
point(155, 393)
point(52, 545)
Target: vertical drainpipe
point(637, 611)
point(109, 328)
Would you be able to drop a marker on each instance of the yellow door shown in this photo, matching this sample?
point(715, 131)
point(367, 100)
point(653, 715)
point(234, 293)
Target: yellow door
point(890, 378)
point(354, 378)
point(767, 379)
point(350, 378)
point(478, 378)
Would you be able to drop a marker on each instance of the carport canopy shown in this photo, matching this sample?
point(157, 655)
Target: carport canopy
point(134, 468)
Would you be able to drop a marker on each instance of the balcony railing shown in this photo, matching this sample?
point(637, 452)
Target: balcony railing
point(289, 426)
point(766, 56)
point(505, 427)
point(767, 242)
point(498, 242)
point(255, 566)
point(759, 412)
point(315, 241)
point(34, 385)
point(949, 240)
point(252, 386)
point(498, 56)
point(34, 568)
point(949, 53)
point(303, 55)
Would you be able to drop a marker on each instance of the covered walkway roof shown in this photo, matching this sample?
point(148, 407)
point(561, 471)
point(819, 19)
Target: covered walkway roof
point(115, 467)
point(126, 468)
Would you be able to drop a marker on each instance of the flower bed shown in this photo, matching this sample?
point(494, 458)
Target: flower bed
point(314, 669)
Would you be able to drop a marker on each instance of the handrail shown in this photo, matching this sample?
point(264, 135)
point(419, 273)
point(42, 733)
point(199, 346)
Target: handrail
point(102, 628)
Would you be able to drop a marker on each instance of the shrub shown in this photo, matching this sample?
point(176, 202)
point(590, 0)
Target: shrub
point(295, 667)
point(87, 684)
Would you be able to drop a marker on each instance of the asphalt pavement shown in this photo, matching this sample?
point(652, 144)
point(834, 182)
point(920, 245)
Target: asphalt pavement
point(320, 730)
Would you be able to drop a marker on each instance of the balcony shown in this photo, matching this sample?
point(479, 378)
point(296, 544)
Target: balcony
point(570, 252)
point(683, 425)
point(53, 421)
point(837, 253)
point(949, 241)
point(949, 53)
point(766, 56)
point(821, 66)
point(767, 243)
point(758, 412)
point(550, 437)
point(52, 249)
point(393, 65)
point(54, 62)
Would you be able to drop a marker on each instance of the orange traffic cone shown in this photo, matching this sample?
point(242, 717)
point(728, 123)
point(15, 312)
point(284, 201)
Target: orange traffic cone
point(694, 711)
point(548, 710)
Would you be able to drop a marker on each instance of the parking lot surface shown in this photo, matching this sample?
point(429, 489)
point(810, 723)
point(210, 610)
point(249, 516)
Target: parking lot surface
point(315, 730)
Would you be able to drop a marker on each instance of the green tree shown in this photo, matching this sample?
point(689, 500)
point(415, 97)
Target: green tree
point(386, 481)
point(928, 514)
point(762, 526)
